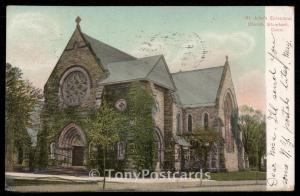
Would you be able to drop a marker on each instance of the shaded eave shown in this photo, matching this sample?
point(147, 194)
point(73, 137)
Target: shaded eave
point(137, 79)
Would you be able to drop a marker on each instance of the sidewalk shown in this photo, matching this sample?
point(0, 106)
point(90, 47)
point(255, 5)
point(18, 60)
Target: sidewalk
point(31, 176)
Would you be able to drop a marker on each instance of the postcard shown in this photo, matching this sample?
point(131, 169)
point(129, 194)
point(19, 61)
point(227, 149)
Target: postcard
point(185, 98)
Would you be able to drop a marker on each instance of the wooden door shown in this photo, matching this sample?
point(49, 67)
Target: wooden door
point(77, 156)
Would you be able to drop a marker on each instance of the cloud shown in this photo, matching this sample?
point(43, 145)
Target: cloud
point(236, 44)
point(250, 89)
point(30, 45)
point(33, 24)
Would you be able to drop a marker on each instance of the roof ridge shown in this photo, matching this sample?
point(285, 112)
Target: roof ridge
point(195, 70)
point(151, 56)
point(133, 60)
point(84, 34)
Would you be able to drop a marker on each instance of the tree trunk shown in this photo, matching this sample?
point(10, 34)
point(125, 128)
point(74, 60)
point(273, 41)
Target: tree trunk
point(9, 149)
point(9, 156)
point(246, 161)
point(104, 154)
point(259, 162)
point(205, 159)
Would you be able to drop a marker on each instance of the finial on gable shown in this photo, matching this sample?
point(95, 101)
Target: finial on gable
point(78, 19)
point(226, 62)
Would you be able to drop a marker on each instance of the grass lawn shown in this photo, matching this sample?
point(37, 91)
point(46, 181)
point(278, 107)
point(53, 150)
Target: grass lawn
point(238, 175)
point(28, 182)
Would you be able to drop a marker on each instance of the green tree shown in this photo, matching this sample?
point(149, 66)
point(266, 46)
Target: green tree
point(260, 135)
point(20, 99)
point(104, 128)
point(202, 141)
point(253, 126)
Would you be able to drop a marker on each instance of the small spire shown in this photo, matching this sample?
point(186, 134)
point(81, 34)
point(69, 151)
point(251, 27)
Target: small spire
point(78, 19)
point(226, 62)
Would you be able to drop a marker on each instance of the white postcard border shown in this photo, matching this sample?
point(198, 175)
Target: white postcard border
point(280, 114)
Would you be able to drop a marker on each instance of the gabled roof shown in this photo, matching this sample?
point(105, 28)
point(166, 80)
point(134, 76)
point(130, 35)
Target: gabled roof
point(198, 87)
point(152, 68)
point(107, 54)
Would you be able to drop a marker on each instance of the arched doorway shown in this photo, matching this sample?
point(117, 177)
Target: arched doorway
point(71, 143)
point(160, 149)
point(228, 110)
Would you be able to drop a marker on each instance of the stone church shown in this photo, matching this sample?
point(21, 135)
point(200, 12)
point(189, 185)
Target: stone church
point(185, 100)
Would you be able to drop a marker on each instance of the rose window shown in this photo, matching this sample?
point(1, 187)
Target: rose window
point(75, 87)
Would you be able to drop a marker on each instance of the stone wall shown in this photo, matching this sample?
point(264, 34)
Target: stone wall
point(198, 117)
point(168, 128)
point(158, 94)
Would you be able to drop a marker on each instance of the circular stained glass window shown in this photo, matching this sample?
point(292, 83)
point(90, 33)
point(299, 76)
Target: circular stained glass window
point(75, 87)
point(121, 105)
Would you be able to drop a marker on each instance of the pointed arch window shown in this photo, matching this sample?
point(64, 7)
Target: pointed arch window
point(205, 120)
point(52, 150)
point(178, 125)
point(121, 150)
point(228, 109)
point(190, 123)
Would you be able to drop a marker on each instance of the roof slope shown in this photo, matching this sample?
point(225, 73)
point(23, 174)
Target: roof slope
point(198, 87)
point(107, 54)
point(150, 68)
point(161, 75)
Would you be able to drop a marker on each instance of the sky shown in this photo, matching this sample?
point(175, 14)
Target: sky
point(188, 37)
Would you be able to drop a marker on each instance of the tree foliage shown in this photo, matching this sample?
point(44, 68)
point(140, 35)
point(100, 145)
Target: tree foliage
point(20, 98)
point(104, 130)
point(253, 125)
point(104, 125)
point(135, 125)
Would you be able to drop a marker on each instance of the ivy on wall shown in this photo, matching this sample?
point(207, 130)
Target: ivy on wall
point(54, 118)
point(138, 128)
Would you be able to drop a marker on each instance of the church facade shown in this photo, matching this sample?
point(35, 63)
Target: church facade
point(185, 101)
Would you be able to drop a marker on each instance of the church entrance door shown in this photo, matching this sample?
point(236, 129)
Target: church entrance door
point(77, 155)
point(72, 143)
